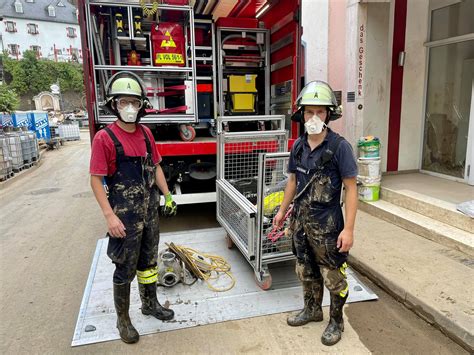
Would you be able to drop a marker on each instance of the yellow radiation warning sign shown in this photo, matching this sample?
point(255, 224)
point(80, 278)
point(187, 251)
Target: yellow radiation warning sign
point(168, 43)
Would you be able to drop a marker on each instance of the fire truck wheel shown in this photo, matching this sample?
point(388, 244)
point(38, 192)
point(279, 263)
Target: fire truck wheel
point(187, 134)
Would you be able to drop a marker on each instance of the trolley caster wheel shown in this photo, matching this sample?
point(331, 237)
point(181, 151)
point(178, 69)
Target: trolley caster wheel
point(187, 133)
point(265, 283)
point(213, 131)
point(229, 241)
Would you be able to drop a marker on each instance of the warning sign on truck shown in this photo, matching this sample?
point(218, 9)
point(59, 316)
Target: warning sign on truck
point(168, 44)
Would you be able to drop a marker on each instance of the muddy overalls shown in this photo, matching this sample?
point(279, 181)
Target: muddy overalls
point(317, 223)
point(134, 198)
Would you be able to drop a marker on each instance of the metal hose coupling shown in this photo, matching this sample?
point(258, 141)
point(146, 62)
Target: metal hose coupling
point(169, 268)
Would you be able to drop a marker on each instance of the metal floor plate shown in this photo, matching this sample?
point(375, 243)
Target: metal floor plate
point(197, 304)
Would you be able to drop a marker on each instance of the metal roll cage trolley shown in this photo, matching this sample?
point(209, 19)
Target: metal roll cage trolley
point(251, 177)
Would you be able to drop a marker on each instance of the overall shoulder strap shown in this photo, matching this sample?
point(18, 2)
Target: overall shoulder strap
point(118, 146)
point(327, 154)
point(298, 148)
point(147, 141)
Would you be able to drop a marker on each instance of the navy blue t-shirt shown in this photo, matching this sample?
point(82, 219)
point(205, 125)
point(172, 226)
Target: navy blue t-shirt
point(344, 163)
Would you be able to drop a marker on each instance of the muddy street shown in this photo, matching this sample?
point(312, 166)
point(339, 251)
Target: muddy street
point(49, 228)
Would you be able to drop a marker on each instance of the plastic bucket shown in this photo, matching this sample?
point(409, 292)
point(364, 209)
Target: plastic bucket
point(369, 168)
point(369, 148)
point(369, 190)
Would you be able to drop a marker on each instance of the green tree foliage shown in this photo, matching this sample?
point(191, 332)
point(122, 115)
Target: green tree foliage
point(8, 99)
point(34, 75)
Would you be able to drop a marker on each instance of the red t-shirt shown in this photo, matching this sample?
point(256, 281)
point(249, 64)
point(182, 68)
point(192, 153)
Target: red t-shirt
point(103, 155)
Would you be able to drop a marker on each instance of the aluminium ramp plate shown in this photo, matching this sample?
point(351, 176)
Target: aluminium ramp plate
point(197, 304)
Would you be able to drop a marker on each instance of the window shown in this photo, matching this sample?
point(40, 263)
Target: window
point(71, 32)
point(31, 1)
point(32, 28)
point(60, 4)
point(452, 21)
point(37, 50)
point(18, 7)
point(51, 11)
point(10, 26)
point(74, 54)
point(14, 49)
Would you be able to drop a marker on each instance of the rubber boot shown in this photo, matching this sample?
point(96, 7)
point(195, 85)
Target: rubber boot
point(150, 304)
point(333, 332)
point(127, 331)
point(312, 312)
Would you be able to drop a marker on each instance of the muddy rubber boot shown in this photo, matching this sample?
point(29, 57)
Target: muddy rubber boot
point(150, 304)
point(127, 331)
point(312, 312)
point(333, 332)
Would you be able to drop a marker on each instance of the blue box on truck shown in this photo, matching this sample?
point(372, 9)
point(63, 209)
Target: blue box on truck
point(20, 119)
point(7, 120)
point(38, 122)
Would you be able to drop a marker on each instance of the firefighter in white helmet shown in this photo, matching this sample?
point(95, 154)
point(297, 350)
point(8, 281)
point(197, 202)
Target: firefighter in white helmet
point(320, 162)
point(124, 153)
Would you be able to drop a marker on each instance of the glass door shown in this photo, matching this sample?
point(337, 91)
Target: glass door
point(449, 91)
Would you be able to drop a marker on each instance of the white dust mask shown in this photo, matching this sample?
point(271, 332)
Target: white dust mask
point(314, 125)
point(128, 114)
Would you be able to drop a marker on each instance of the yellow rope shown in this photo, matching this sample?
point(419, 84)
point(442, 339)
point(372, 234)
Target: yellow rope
point(208, 270)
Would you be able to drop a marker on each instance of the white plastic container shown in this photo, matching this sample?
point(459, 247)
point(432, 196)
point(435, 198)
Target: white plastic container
point(69, 132)
point(369, 168)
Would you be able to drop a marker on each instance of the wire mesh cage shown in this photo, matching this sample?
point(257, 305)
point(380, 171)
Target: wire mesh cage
point(236, 216)
point(252, 175)
point(5, 159)
point(272, 242)
point(16, 154)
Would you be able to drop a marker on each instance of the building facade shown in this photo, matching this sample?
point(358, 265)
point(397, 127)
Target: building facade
point(406, 72)
point(48, 27)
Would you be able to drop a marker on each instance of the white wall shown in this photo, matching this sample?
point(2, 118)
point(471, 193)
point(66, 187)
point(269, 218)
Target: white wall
point(377, 75)
point(50, 34)
point(315, 35)
point(412, 120)
point(353, 117)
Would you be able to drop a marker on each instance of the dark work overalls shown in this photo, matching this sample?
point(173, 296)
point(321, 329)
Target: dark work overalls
point(319, 220)
point(134, 198)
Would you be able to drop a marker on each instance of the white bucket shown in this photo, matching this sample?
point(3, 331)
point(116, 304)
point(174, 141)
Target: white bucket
point(369, 168)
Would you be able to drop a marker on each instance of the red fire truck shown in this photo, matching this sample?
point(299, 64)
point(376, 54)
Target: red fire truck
point(199, 60)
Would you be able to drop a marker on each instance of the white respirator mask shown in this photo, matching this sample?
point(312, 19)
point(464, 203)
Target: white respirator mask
point(314, 125)
point(128, 114)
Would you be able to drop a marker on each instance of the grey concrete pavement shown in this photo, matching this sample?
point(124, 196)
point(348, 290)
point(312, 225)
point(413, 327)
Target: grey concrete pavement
point(432, 279)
